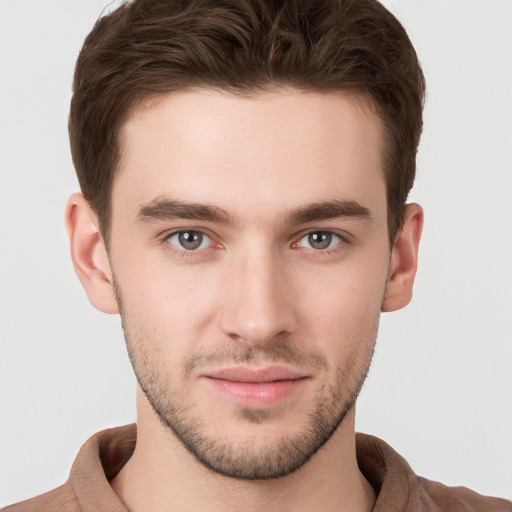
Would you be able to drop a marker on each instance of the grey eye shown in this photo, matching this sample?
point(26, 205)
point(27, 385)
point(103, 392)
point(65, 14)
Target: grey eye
point(319, 240)
point(189, 240)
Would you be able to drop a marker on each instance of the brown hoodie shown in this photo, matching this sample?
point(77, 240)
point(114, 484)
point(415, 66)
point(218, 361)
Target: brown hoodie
point(397, 488)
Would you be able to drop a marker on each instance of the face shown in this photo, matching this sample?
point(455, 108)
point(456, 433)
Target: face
point(250, 256)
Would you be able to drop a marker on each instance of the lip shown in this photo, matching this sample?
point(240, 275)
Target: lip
point(256, 388)
point(256, 375)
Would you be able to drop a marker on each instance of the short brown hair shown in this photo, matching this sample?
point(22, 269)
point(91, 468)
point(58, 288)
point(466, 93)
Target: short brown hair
point(154, 47)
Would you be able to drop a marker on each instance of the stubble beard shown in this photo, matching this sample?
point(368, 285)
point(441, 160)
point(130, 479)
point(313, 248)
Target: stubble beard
point(247, 459)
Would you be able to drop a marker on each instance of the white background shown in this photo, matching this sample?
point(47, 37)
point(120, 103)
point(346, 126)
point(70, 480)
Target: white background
point(441, 384)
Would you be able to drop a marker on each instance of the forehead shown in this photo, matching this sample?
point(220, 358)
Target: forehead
point(270, 150)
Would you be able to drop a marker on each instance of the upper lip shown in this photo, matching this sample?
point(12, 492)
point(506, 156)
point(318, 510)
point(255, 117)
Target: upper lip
point(256, 375)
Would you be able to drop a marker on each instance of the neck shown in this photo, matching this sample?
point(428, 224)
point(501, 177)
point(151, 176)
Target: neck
point(163, 475)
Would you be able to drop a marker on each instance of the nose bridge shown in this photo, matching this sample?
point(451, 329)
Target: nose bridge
point(257, 308)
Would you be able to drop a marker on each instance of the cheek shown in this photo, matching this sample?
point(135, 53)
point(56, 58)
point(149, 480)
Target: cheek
point(170, 302)
point(344, 306)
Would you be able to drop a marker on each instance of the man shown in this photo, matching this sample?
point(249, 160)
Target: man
point(244, 172)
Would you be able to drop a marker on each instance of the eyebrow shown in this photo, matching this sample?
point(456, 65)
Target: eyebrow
point(169, 209)
point(326, 210)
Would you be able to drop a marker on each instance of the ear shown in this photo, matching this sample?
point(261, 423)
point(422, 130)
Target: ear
point(404, 260)
point(89, 254)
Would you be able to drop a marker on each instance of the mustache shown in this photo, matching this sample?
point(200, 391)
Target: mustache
point(274, 352)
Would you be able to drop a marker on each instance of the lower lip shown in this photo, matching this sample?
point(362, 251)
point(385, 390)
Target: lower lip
point(256, 394)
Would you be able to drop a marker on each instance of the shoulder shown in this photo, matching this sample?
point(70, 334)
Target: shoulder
point(398, 488)
point(437, 496)
point(88, 488)
point(61, 499)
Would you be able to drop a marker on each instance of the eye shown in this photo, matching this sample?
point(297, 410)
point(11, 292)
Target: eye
point(319, 240)
point(189, 240)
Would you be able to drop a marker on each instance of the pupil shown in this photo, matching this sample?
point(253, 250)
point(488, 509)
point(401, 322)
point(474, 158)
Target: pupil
point(190, 240)
point(320, 240)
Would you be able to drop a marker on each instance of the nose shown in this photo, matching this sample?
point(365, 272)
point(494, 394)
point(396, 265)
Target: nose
point(259, 305)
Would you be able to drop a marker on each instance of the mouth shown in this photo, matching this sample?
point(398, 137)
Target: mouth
point(256, 388)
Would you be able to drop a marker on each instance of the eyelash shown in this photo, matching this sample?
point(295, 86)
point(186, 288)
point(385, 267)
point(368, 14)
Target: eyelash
point(340, 245)
point(341, 241)
point(184, 253)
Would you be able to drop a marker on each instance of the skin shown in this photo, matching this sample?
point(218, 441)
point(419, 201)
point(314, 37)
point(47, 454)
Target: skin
point(258, 292)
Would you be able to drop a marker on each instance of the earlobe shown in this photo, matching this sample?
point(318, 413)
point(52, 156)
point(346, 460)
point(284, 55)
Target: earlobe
point(404, 260)
point(89, 255)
